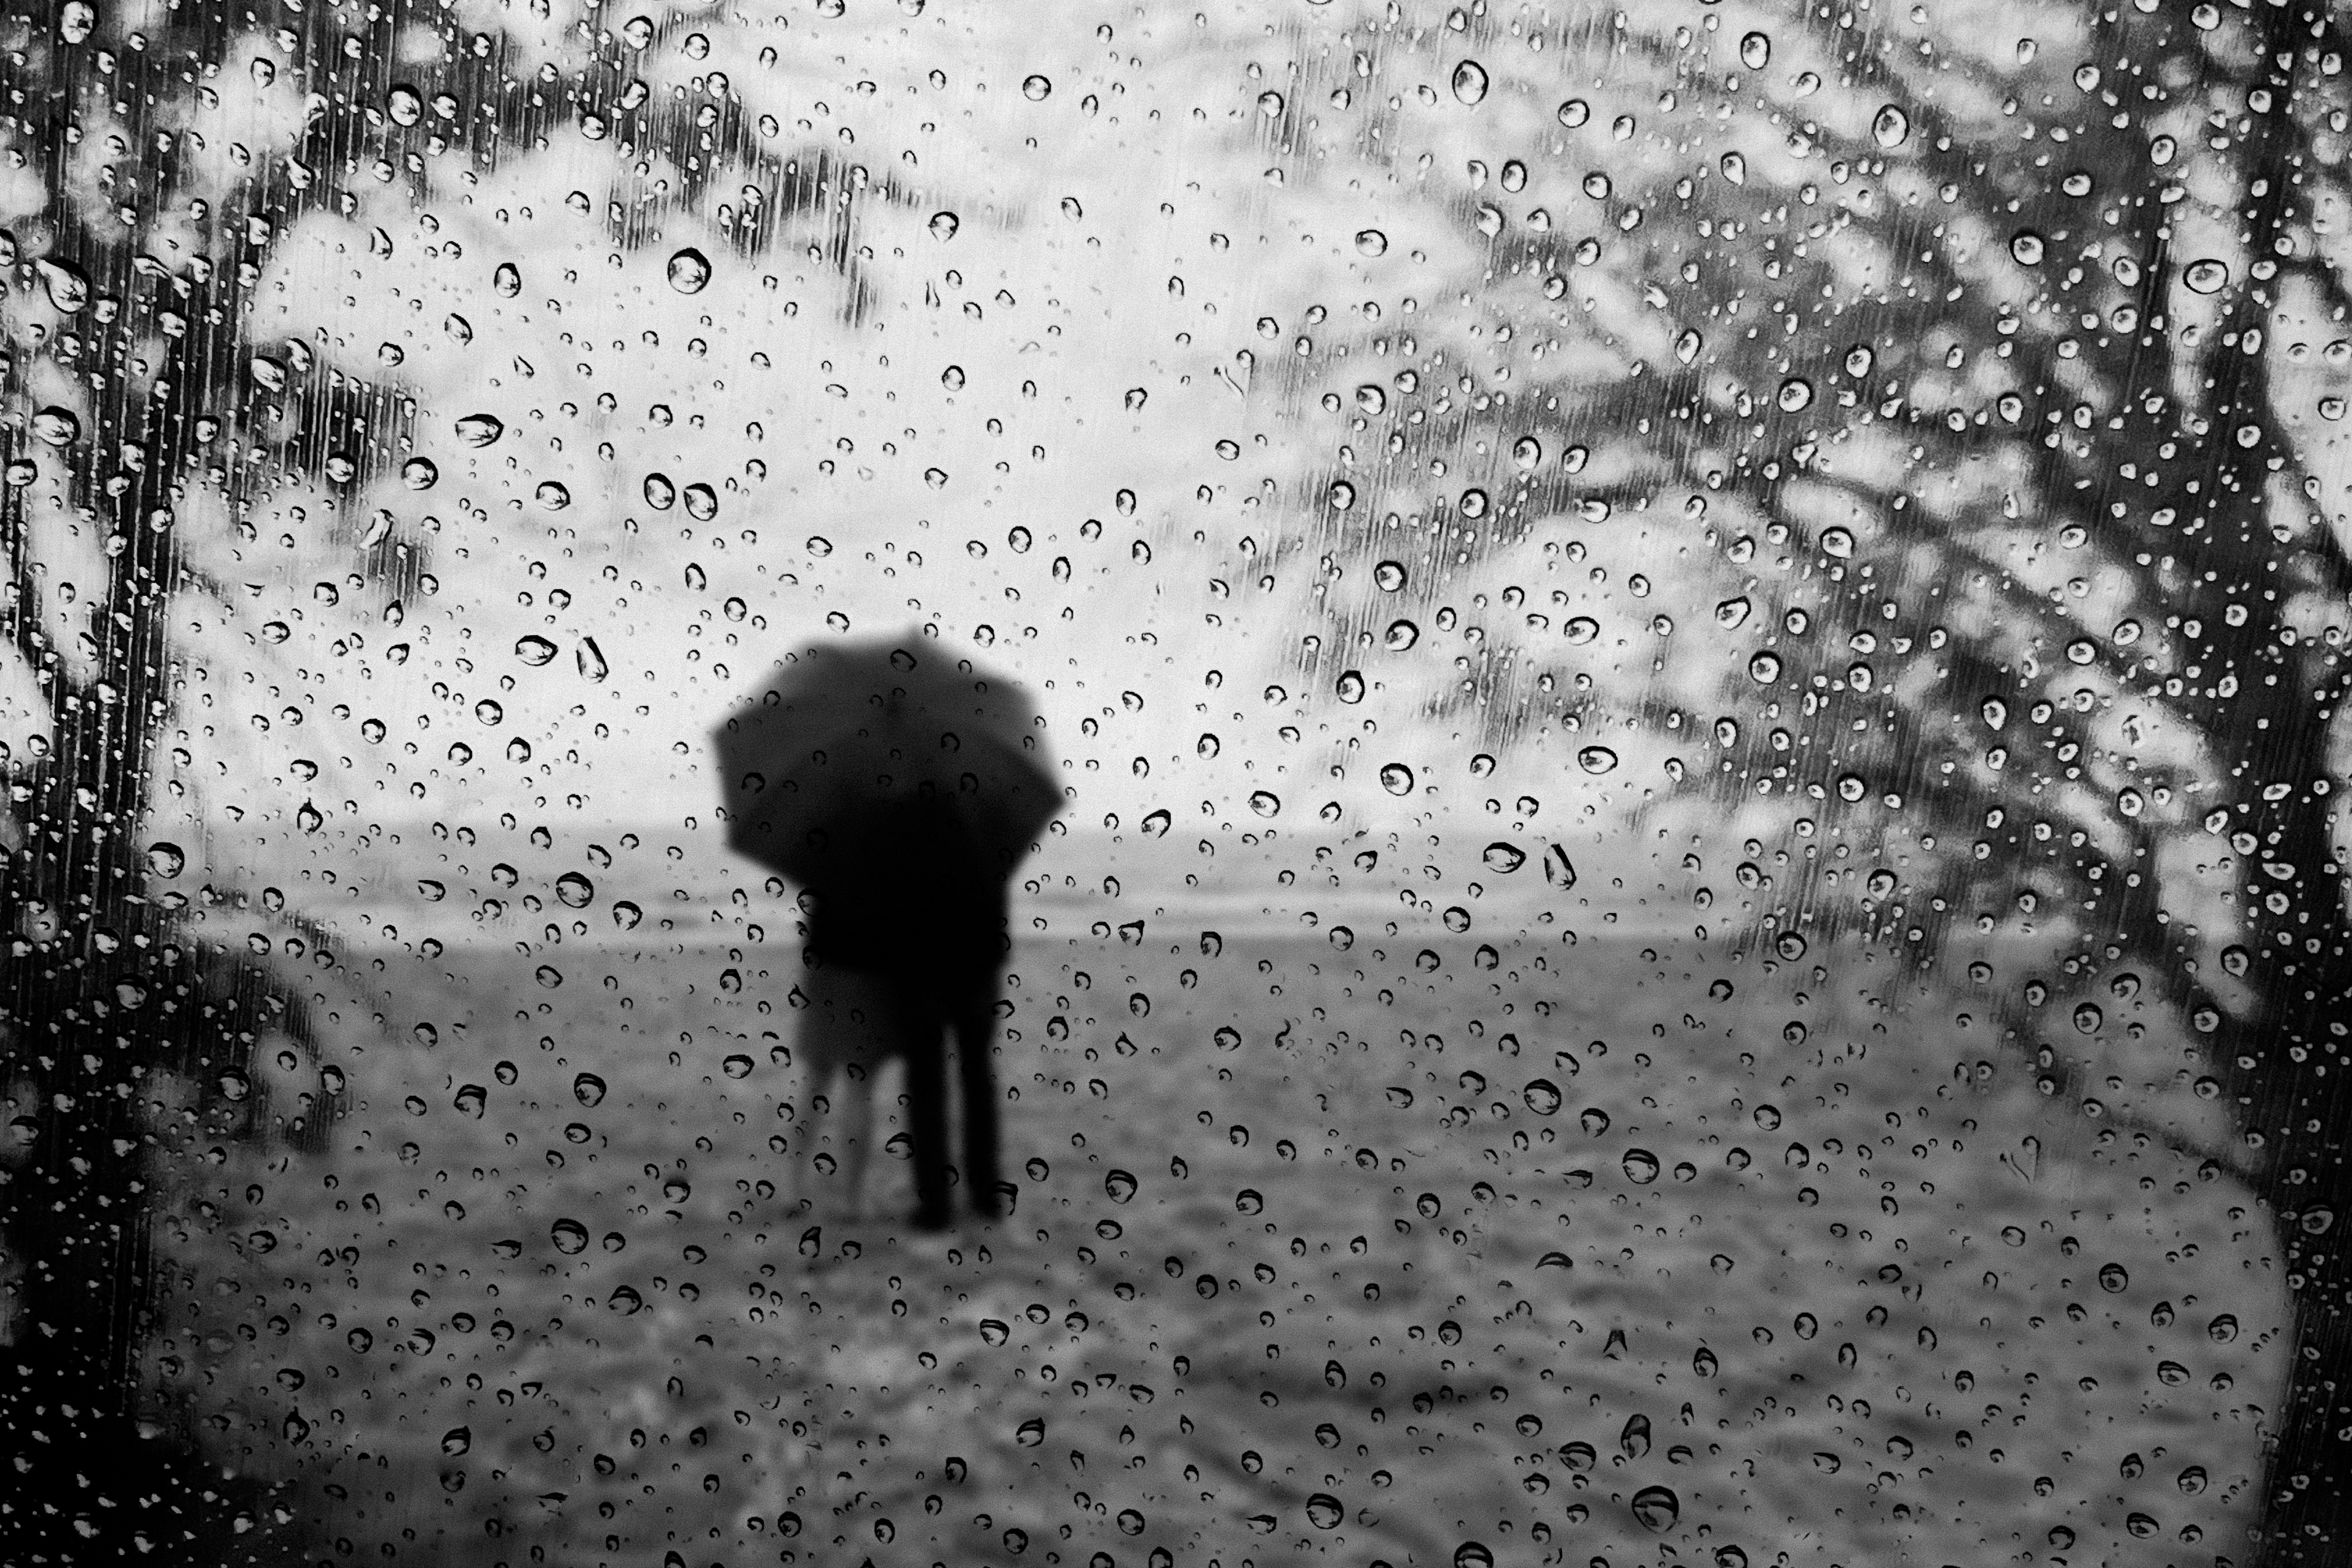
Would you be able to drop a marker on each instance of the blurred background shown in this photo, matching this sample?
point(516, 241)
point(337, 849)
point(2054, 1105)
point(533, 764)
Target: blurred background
point(1693, 653)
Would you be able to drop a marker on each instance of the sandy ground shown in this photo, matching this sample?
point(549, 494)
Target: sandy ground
point(1637, 1253)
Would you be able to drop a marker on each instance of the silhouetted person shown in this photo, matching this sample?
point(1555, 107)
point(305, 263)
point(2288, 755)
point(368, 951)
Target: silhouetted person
point(908, 939)
point(899, 784)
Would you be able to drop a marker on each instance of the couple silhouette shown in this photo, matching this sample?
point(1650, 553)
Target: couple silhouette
point(900, 786)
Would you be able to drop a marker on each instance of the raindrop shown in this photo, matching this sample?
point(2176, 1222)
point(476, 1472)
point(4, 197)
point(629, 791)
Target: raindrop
point(1764, 668)
point(2026, 247)
point(77, 20)
point(535, 650)
point(1891, 128)
point(626, 914)
point(1504, 859)
point(588, 1088)
point(1388, 575)
point(2114, 1277)
point(689, 271)
point(1837, 544)
point(570, 1237)
point(1036, 88)
point(480, 429)
point(1324, 1512)
point(1734, 167)
point(1266, 803)
point(1372, 398)
point(590, 659)
point(943, 226)
point(575, 891)
point(1396, 778)
point(67, 285)
point(57, 427)
point(1796, 394)
point(506, 279)
point(701, 502)
point(1526, 451)
point(1597, 760)
point(1657, 1507)
point(1583, 629)
point(1755, 51)
point(1469, 82)
point(551, 495)
point(404, 104)
point(166, 859)
point(1575, 113)
point(420, 473)
point(1372, 242)
point(1401, 635)
point(1733, 613)
point(2206, 275)
point(1542, 1096)
point(1641, 1166)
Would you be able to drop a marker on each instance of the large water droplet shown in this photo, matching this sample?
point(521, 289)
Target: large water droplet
point(1388, 575)
point(1350, 687)
point(689, 271)
point(2206, 275)
point(1755, 51)
point(570, 1237)
point(1504, 859)
point(574, 889)
point(1036, 88)
point(1469, 82)
point(1657, 1507)
point(943, 226)
point(1596, 760)
point(1396, 778)
point(1891, 128)
point(480, 429)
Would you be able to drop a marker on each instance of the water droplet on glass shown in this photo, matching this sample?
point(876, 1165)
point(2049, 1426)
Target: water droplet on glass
point(2206, 275)
point(588, 1088)
point(420, 473)
point(1266, 803)
point(1036, 88)
point(2026, 247)
point(570, 1237)
point(551, 495)
point(626, 914)
point(1388, 575)
point(943, 226)
point(575, 891)
point(1350, 685)
point(1324, 1511)
point(57, 427)
point(1755, 51)
point(1542, 1096)
point(403, 104)
point(1372, 398)
point(535, 650)
point(1764, 668)
point(1891, 128)
point(66, 283)
point(1734, 167)
point(1581, 630)
point(1733, 612)
point(1796, 394)
point(689, 271)
point(1372, 242)
point(1401, 635)
point(1342, 495)
point(1469, 82)
point(480, 429)
point(1657, 1507)
point(1641, 1166)
point(1504, 859)
point(1396, 778)
point(166, 859)
point(77, 20)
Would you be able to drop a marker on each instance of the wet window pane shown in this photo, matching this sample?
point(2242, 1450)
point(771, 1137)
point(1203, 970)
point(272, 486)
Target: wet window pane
point(892, 780)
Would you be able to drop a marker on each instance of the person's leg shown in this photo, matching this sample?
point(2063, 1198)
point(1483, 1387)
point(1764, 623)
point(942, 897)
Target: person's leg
point(975, 1032)
point(927, 1117)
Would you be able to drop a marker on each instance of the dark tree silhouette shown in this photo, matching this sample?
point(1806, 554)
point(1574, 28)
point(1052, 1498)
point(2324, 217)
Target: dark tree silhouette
point(149, 384)
point(1952, 364)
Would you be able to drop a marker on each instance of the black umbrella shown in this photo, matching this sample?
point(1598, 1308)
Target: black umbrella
point(844, 743)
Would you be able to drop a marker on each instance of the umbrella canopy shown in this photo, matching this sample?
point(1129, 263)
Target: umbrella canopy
point(830, 754)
